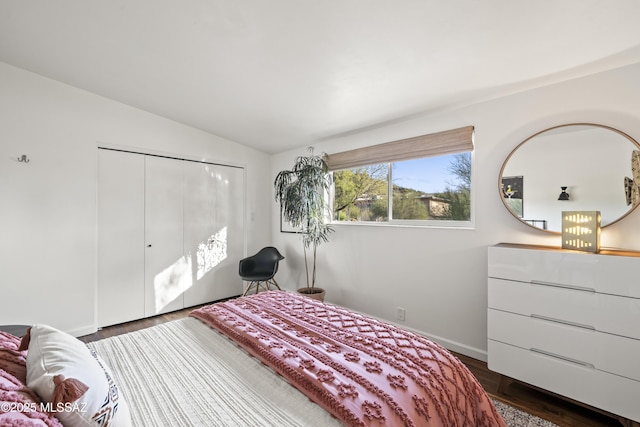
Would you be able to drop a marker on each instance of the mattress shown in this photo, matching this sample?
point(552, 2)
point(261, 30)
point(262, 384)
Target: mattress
point(183, 373)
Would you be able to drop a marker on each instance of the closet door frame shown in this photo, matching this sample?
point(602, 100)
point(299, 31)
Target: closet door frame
point(137, 295)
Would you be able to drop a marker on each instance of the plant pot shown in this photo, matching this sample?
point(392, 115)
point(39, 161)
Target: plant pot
point(315, 293)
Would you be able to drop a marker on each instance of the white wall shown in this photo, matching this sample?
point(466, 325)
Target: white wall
point(439, 275)
point(48, 212)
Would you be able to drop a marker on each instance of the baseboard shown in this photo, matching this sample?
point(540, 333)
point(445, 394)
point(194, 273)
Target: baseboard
point(85, 330)
point(451, 345)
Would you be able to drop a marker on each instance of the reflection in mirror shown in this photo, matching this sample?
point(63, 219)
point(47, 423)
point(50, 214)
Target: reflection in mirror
point(594, 162)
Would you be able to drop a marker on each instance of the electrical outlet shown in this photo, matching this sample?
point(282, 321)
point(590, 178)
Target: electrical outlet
point(401, 313)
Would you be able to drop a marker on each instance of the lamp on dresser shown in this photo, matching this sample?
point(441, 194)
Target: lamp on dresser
point(581, 230)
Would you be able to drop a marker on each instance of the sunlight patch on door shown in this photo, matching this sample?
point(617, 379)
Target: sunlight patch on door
point(170, 283)
point(211, 252)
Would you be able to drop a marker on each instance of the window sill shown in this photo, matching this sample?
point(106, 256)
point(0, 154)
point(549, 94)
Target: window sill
point(449, 225)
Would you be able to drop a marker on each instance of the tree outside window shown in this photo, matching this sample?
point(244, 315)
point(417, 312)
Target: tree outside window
point(427, 189)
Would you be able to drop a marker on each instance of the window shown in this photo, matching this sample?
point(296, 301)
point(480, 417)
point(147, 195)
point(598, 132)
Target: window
point(424, 180)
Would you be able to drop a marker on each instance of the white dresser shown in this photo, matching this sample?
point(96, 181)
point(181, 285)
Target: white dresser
point(568, 322)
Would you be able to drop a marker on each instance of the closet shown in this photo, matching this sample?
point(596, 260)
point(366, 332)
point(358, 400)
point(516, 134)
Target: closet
point(170, 234)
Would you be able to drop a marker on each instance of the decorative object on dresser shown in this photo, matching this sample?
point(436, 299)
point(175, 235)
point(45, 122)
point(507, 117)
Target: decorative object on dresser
point(566, 322)
point(581, 230)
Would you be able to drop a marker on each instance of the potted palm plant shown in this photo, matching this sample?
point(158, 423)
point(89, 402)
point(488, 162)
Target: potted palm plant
point(301, 192)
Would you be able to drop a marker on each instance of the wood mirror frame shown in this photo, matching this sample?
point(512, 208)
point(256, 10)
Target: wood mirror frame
point(593, 161)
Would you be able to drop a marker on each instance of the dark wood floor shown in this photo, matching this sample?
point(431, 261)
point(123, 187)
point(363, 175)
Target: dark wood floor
point(544, 405)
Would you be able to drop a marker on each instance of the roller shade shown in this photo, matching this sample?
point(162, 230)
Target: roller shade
point(434, 144)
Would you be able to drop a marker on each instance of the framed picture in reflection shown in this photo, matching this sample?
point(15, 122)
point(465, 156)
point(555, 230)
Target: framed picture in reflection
point(512, 191)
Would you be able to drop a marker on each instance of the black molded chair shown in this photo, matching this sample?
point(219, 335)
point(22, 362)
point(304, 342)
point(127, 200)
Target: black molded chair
point(260, 268)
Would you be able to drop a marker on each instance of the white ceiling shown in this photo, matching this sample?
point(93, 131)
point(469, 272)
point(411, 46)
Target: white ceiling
point(278, 74)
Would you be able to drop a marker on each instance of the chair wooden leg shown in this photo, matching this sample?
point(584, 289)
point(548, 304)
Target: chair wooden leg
point(251, 285)
point(265, 284)
point(273, 281)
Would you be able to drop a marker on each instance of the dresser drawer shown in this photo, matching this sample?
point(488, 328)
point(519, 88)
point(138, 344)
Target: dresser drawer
point(609, 274)
point(604, 352)
point(596, 388)
point(604, 313)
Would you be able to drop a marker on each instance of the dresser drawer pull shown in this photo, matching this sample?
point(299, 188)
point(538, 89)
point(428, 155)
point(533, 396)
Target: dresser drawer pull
point(559, 285)
point(564, 322)
point(566, 359)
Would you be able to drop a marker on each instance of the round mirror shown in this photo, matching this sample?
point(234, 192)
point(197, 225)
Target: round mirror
point(574, 167)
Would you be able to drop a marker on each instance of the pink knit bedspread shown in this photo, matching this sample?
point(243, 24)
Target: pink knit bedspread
point(363, 371)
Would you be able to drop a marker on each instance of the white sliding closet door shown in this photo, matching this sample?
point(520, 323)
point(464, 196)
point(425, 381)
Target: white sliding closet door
point(203, 244)
point(170, 234)
point(230, 217)
point(120, 237)
point(167, 270)
point(213, 227)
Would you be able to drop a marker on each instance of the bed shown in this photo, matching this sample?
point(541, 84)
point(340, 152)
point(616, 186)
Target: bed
point(281, 359)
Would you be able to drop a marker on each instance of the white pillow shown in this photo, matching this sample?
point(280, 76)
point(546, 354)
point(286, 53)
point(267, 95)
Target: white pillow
point(53, 353)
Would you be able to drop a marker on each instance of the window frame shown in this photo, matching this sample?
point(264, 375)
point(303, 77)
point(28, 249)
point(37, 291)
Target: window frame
point(357, 155)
